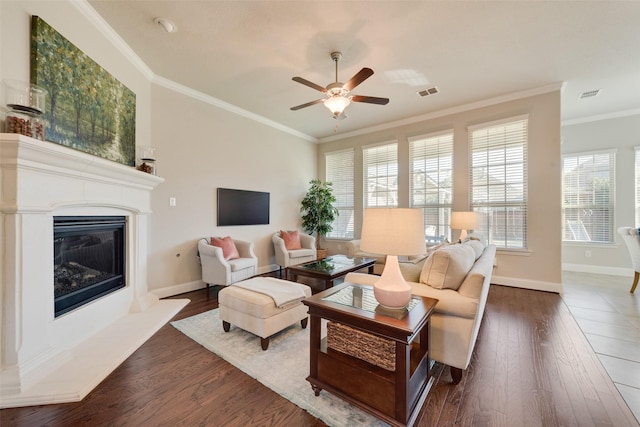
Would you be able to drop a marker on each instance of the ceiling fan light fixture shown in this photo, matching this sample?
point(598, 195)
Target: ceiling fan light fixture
point(336, 104)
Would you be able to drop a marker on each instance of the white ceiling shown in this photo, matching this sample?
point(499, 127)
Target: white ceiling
point(245, 53)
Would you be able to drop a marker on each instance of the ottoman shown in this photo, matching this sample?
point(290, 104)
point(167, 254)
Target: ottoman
point(246, 305)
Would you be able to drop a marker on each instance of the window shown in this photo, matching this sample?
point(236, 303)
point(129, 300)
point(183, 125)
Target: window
point(339, 171)
point(498, 157)
point(587, 197)
point(638, 186)
point(431, 182)
point(380, 165)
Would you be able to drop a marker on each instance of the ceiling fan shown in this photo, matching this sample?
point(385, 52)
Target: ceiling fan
point(338, 94)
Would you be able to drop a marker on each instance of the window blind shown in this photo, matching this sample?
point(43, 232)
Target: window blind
point(339, 171)
point(380, 167)
point(498, 163)
point(588, 197)
point(431, 182)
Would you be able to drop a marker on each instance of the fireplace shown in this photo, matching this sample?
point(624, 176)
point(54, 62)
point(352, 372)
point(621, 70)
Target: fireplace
point(96, 206)
point(89, 256)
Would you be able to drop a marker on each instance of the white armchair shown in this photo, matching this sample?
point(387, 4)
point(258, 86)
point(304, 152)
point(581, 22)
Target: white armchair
point(286, 257)
point(218, 271)
point(632, 239)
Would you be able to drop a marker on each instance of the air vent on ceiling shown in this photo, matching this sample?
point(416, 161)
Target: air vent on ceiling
point(428, 91)
point(589, 94)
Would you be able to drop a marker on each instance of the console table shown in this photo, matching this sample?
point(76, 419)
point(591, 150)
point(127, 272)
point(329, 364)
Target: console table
point(395, 396)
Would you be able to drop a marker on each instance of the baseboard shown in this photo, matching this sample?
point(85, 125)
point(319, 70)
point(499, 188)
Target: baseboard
point(182, 288)
point(535, 285)
point(598, 269)
point(178, 289)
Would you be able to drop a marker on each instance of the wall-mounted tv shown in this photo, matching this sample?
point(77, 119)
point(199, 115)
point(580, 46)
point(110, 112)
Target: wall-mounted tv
point(242, 207)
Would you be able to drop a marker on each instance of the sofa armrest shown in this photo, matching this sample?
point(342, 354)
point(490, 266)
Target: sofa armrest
point(245, 249)
point(307, 241)
point(353, 247)
point(207, 250)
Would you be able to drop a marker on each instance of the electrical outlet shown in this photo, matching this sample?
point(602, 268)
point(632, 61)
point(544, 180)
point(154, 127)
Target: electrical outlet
point(172, 201)
point(587, 254)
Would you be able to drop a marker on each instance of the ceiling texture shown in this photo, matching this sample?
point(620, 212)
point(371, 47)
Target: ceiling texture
point(243, 54)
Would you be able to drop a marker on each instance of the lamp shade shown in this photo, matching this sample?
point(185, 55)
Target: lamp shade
point(464, 220)
point(337, 103)
point(393, 231)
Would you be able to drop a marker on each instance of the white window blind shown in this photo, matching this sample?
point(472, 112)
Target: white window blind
point(380, 166)
point(339, 171)
point(431, 182)
point(588, 197)
point(637, 186)
point(498, 158)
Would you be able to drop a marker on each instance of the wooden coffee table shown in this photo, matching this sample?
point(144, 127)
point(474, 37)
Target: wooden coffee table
point(395, 396)
point(330, 268)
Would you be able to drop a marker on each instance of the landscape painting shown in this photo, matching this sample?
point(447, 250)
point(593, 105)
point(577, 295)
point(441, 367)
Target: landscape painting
point(86, 107)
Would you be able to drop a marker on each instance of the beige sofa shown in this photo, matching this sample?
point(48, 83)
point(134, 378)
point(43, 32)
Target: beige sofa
point(456, 320)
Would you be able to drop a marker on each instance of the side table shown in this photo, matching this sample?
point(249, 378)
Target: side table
point(395, 396)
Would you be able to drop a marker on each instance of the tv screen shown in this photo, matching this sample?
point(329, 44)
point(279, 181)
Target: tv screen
point(242, 207)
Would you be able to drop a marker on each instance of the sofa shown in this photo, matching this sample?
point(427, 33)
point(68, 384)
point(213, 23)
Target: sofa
point(408, 263)
point(461, 297)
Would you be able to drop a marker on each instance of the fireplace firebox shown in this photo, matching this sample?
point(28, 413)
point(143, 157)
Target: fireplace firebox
point(89, 259)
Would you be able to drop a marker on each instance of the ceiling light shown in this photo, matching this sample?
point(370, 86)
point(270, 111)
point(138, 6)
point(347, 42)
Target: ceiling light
point(167, 24)
point(336, 104)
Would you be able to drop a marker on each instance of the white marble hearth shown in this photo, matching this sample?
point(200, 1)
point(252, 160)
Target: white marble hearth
point(47, 359)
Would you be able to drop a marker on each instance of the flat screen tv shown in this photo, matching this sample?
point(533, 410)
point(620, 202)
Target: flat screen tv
point(242, 207)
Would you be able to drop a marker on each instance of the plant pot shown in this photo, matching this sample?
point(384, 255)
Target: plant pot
point(321, 253)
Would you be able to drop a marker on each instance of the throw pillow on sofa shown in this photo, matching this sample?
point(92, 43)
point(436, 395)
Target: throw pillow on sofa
point(229, 250)
point(476, 245)
point(291, 239)
point(447, 267)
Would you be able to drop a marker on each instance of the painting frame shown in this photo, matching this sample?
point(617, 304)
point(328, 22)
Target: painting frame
point(87, 108)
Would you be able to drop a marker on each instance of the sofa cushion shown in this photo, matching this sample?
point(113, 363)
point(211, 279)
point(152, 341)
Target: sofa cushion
point(447, 267)
point(229, 250)
point(476, 245)
point(291, 239)
point(299, 253)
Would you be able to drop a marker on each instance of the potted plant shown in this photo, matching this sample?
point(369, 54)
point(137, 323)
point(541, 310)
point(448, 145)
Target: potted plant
point(318, 212)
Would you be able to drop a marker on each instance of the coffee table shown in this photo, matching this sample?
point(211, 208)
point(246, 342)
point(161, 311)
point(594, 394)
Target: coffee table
point(395, 395)
point(330, 268)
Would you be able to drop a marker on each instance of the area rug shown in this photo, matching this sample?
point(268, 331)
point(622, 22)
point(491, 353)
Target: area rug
point(283, 367)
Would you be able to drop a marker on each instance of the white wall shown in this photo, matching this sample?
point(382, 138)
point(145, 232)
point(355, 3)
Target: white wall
point(540, 266)
point(621, 134)
point(199, 147)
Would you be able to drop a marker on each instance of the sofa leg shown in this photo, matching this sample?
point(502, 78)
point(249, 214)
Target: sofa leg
point(456, 375)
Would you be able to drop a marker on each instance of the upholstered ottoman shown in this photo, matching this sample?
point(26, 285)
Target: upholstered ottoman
point(263, 306)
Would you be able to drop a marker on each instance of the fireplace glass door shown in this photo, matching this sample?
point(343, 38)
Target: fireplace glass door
point(89, 259)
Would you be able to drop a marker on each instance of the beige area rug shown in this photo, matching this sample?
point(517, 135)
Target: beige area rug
point(283, 367)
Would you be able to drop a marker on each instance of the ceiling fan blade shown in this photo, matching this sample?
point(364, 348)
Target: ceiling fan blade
point(361, 76)
point(308, 104)
point(370, 99)
point(310, 84)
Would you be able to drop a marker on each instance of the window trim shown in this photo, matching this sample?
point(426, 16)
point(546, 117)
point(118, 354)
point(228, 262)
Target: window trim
point(349, 234)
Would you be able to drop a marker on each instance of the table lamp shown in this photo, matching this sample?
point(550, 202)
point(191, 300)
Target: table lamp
point(464, 221)
point(392, 232)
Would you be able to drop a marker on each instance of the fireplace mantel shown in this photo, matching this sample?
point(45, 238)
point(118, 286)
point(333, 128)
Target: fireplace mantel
point(52, 360)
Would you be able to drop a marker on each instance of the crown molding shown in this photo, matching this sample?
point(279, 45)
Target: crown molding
point(598, 117)
point(101, 25)
point(449, 111)
point(187, 91)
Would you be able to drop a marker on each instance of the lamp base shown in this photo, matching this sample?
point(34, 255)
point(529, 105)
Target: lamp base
point(391, 290)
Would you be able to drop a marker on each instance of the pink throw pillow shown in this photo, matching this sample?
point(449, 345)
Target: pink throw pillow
point(229, 250)
point(291, 239)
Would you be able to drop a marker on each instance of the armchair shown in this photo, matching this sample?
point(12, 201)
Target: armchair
point(286, 257)
point(218, 271)
point(632, 239)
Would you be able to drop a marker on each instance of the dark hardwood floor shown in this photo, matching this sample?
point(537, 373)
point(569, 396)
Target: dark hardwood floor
point(532, 366)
